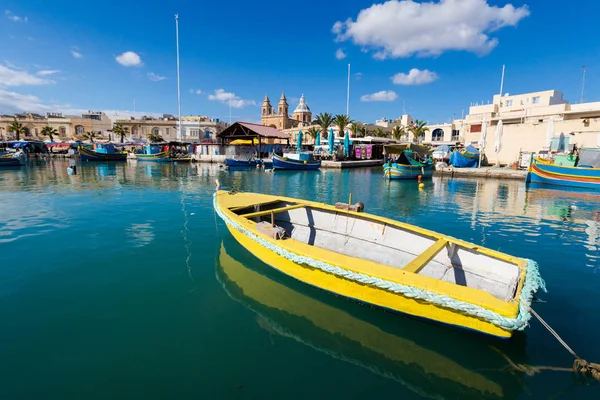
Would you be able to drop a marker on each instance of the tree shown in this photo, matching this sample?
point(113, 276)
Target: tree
point(50, 132)
point(418, 129)
point(89, 136)
point(355, 128)
point(313, 132)
point(364, 131)
point(398, 132)
point(155, 138)
point(120, 130)
point(342, 121)
point(17, 128)
point(379, 132)
point(324, 120)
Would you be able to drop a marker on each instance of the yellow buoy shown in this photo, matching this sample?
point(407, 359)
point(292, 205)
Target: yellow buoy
point(421, 185)
point(304, 162)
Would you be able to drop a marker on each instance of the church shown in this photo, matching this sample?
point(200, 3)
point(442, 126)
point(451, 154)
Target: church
point(281, 120)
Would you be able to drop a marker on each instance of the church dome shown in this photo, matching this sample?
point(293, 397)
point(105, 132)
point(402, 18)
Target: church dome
point(302, 107)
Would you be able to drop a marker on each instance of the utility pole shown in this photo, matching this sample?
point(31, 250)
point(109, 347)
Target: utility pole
point(348, 94)
point(502, 82)
point(178, 86)
point(583, 83)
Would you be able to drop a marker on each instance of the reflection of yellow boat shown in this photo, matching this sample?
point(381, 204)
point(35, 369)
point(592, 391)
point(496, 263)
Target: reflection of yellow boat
point(342, 335)
point(383, 262)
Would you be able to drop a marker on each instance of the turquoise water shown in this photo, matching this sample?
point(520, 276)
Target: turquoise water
point(119, 282)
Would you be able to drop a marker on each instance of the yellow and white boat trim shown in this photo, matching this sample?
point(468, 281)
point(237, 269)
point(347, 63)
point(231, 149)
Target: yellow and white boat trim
point(385, 263)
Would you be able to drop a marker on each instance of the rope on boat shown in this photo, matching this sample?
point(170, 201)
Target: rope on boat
point(533, 282)
point(580, 365)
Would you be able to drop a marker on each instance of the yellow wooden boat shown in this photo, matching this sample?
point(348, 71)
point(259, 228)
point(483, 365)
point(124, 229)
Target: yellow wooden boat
point(407, 353)
point(385, 263)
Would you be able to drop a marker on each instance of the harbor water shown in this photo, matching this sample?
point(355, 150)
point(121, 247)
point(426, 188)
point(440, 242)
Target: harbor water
point(120, 282)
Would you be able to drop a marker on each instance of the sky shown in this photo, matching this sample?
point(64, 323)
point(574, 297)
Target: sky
point(431, 59)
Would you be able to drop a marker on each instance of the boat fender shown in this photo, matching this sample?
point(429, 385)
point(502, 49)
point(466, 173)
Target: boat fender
point(358, 207)
point(304, 162)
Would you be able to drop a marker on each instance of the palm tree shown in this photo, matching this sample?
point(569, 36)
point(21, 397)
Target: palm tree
point(418, 129)
point(324, 120)
point(89, 136)
point(342, 121)
point(50, 132)
point(398, 132)
point(17, 128)
point(364, 131)
point(120, 130)
point(155, 138)
point(379, 132)
point(313, 132)
point(355, 128)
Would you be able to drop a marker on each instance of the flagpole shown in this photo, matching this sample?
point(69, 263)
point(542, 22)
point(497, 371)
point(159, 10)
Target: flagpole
point(502, 82)
point(178, 85)
point(348, 94)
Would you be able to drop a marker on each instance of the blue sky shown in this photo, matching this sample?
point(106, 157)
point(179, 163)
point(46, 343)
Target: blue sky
point(62, 55)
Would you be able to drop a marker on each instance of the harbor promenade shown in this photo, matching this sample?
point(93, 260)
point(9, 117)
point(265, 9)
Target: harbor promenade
point(484, 172)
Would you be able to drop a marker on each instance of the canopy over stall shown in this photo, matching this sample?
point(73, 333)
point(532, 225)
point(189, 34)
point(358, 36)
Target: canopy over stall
point(400, 148)
point(248, 131)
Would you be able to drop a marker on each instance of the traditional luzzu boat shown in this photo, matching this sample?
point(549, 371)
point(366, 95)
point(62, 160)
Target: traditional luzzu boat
point(17, 159)
point(101, 152)
point(383, 262)
point(153, 153)
point(585, 173)
point(407, 161)
point(409, 353)
point(296, 161)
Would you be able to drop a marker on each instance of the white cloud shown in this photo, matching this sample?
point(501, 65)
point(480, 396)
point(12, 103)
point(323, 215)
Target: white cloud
point(75, 52)
point(196, 91)
point(384, 95)
point(339, 54)
point(17, 77)
point(13, 17)
point(414, 77)
point(227, 97)
point(155, 77)
point(403, 28)
point(45, 72)
point(129, 59)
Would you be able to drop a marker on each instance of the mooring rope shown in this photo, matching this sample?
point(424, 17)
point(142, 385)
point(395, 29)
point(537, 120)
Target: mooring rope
point(580, 365)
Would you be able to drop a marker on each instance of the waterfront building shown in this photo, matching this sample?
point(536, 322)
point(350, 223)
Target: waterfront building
point(194, 129)
point(281, 119)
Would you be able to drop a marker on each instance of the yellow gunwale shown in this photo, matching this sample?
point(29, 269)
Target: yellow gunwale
point(570, 175)
point(483, 299)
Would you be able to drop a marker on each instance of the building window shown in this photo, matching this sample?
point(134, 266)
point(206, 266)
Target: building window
point(79, 130)
point(36, 131)
point(437, 135)
point(455, 135)
point(63, 131)
point(476, 128)
point(168, 131)
point(535, 100)
point(143, 131)
point(508, 103)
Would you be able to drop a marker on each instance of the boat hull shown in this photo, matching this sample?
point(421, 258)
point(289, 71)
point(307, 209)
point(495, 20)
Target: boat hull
point(282, 163)
point(550, 174)
point(317, 267)
point(13, 160)
point(401, 171)
point(90, 155)
point(231, 162)
point(158, 157)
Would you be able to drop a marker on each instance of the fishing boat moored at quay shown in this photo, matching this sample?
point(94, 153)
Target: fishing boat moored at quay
point(101, 152)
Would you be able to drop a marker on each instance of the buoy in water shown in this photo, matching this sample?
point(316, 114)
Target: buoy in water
point(175, 163)
point(419, 178)
point(421, 185)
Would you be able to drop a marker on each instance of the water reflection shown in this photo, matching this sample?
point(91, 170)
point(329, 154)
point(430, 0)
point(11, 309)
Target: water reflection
point(395, 347)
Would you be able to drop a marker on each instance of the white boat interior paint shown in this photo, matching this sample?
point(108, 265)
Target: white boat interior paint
point(389, 245)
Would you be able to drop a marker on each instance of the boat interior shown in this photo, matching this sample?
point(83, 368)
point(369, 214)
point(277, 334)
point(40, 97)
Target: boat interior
point(359, 236)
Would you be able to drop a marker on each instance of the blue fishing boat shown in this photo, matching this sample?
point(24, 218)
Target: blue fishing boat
point(153, 153)
point(17, 159)
point(407, 161)
point(296, 161)
point(585, 173)
point(101, 152)
point(468, 158)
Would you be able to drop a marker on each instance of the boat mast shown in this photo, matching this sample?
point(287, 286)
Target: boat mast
point(178, 85)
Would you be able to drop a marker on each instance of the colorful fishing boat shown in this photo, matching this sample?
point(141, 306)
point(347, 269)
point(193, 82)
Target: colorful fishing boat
point(383, 262)
point(16, 159)
point(154, 154)
point(547, 173)
point(101, 152)
point(409, 353)
point(296, 161)
point(467, 158)
point(407, 161)
point(237, 162)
